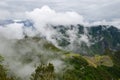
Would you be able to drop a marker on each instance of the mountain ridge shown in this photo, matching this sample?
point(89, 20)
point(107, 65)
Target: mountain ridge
point(77, 38)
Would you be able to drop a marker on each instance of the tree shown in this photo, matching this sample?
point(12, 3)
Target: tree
point(44, 72)
point(3, 72)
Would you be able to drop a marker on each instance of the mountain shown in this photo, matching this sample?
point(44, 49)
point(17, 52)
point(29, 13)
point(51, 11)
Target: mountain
point(5, 22)
point(24, 55)
point(86, 40)
point(89, 40)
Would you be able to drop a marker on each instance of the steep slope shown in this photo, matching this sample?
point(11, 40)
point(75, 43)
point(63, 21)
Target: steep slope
point(28, 53)
point(88, 40)
point(23, 56)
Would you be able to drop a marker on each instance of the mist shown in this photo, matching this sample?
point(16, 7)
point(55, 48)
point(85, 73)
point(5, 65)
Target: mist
point(16, 49)
point(21, 57)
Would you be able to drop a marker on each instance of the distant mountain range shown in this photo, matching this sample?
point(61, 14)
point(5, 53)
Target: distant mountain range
point(91, 40)
point(79, 38)
point(88, 40)
point(26, 59)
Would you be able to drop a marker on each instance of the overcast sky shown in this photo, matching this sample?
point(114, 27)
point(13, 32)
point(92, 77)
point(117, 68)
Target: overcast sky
point(92, 10)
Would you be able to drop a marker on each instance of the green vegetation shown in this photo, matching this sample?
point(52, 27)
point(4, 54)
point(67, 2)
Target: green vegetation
point(44, 72)
point(3, 72)
point(98, 60)
point(82, 70)
point(77, 67)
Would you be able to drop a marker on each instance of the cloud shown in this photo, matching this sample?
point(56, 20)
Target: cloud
point(46, 15)
point(12, 31)
point(115, 22)
point(92, 9)
point(21, 57)
point(4, 14)
point(42, 19)
point(18, 52)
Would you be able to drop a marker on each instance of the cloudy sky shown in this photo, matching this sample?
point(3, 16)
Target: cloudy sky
point(92, 10)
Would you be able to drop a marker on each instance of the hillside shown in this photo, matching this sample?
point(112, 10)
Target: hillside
point(83, 39)
point(37, 53)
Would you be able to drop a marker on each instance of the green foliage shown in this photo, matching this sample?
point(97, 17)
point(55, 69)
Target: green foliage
point(1, 59)
point(44, 72)
point(115, 56)
point(3, 72)
point(77, 67)
point(83, 71)
point(77, 72)
point(51, 47)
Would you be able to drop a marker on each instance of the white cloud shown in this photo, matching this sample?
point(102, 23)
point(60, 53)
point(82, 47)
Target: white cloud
point(91, 9)
point(12, 31)
point(46, 15)
point(4, 14)
point(43, 17)
point(115, 22)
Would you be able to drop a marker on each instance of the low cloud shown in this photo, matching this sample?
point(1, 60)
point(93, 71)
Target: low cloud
point(12, 31)
point(4, 14)
point(43, 19)
point(115, 22)
point(50, 16)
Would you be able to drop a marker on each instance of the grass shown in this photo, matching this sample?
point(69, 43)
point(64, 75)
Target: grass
point(98, 60)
